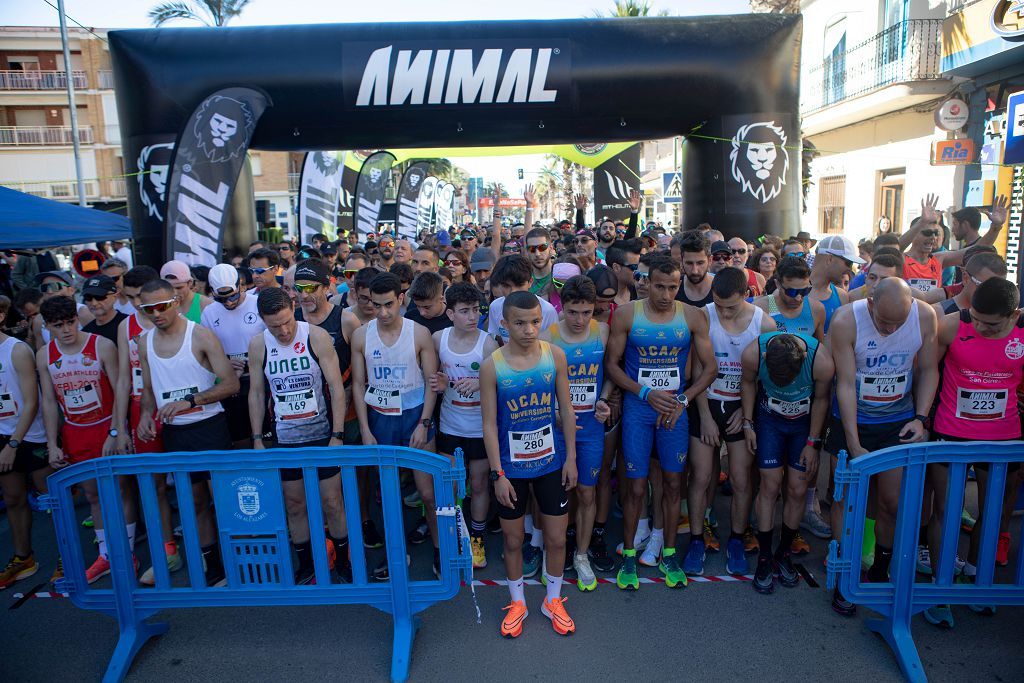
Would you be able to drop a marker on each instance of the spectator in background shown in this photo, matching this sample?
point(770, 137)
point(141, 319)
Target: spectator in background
point(765, 261)
point(123, 253)
point(24, 268)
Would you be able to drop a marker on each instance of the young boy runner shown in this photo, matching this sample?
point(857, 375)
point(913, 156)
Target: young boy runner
point(22, 447)
point(393, 358)
point(795, 389)
point(583, 340)
point(462, 350)
point(82, 369)
point(298, 363)
point(519, 384)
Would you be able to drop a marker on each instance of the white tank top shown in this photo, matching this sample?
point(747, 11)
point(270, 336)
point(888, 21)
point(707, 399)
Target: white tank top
point(460, 413)
point(234, 328)
point(885, 367)
point(394, 380)
point(175, 378)
point(296, 387)
point(728, 349)
point(12, 400)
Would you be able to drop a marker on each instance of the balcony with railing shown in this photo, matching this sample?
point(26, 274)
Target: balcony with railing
point(41, 80)
point(67, 190)
point(293, 182)
point(907, 52)
point(35, 136)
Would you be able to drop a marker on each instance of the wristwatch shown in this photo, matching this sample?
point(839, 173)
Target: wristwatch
point(13, 443)
point(257, 437)
point(497, 474)
point(113, 433)
point(683, 401)
point(427, 423)
point(191, 400)
point(923, 419)
point(340, 436)
point(814, 441)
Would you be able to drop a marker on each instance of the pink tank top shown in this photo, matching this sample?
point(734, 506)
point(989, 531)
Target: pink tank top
point(980, 377)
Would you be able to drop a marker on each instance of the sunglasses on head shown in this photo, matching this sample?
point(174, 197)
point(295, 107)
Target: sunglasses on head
point(931, 232)
point(48, 287)
point(792, 292)
point(541, 248)
point(721, 257)
point(306, 289)
point(156, 307)
point(227, 298)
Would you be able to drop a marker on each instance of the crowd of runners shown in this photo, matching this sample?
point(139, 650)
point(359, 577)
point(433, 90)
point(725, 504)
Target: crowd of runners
point(561, 359)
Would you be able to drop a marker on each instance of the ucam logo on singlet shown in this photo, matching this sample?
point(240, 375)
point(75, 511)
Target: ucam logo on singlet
point(456, 72)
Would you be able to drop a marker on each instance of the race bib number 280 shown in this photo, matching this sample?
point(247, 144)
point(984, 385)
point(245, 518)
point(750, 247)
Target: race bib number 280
point(533, 445)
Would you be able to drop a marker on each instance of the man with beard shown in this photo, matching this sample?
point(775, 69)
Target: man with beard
point(922, 266)
point(538, 253)
point(696, 287)
point(966, 224)
point(386, 252)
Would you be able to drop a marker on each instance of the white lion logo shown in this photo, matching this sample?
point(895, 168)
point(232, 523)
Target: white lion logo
point(217, 123)
point(154, 165)
point(764, 144)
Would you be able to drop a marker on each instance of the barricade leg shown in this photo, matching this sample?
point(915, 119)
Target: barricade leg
point(131, 640)
point(896, 631)
point(401, 650)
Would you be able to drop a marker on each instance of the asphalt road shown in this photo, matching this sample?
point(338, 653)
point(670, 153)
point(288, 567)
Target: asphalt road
point(709, 631)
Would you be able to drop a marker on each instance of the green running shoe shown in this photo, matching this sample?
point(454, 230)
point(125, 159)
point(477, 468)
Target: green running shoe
point(627, 578)
point(670, 569)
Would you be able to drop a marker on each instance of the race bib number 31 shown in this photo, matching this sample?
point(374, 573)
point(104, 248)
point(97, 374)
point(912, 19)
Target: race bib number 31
point(584, 397)
point(980, 405)
point(528, 446)
point(81, 400)
point(659, 379)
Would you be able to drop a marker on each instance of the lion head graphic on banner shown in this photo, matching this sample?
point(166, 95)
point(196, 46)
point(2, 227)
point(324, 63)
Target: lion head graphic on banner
point(759, 159)
point(219, 122)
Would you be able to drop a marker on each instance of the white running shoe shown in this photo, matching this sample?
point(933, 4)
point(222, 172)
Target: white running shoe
point(639, 542)
point(816, 525)
point(585, 579)
point(652, 553)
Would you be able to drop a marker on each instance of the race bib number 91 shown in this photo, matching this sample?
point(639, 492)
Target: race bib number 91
point(384, 401)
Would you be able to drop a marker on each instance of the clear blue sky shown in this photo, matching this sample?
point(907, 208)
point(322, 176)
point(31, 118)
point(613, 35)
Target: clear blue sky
point(133, 14)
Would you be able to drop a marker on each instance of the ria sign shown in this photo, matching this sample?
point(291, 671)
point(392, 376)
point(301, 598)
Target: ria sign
point(496, 73)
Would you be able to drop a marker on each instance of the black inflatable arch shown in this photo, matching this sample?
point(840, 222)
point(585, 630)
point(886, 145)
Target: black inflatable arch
point(731, 81)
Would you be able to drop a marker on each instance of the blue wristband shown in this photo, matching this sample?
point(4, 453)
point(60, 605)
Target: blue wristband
point(644, 391)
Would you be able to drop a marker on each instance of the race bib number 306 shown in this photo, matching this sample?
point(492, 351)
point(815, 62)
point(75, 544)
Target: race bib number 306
point(534, 445)
point(659, 379)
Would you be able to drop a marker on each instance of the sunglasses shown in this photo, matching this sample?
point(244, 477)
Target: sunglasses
point(227, 298)
point(94, 297)
point(284, 247)
point(633, 266)
point(737, 252)
point(582, 240)
point(385, 243)
point(454, 262)
point(792, 293)
point(798, 254)
point(349, 272)
point(541, 248)
point(307, 289)
point(469, 237)
point(932, 232)
point(48, 287)
point(721, 257)
point(557, 283)
point(511, 250)
point(259, 271)
point(158, 307)
point(640, 277)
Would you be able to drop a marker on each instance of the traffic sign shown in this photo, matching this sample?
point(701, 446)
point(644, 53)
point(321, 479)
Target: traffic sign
point(672, 187)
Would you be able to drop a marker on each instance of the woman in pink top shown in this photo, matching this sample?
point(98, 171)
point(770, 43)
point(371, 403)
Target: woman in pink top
point(983, 366)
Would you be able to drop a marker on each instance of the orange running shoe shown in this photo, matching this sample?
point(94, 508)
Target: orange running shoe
point(799, 546)
point(560, 621)
point(512, 624)
point(332, 554)
point(711, 543)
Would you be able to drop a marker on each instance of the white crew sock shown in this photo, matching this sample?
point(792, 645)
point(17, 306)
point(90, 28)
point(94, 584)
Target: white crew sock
point(657, 535)
point(515, 589)
point(643, 528)
point(812, 501)
point(537, 538)
point(554, 586)
point(101, 536)
point(130, 528)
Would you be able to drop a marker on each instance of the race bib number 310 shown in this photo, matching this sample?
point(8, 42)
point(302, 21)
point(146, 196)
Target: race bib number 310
point(584, 397)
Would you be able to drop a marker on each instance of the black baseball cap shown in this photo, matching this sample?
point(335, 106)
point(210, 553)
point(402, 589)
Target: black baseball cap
point(313, 270)
point(604, 280)
point(99, 285)
point(720, 247)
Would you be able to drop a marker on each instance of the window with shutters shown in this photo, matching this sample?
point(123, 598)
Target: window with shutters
point(831, 203)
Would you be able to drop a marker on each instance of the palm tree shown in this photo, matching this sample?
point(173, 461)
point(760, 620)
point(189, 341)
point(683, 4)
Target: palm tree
point(631, 8)
point(206, 12)
point(775, 6)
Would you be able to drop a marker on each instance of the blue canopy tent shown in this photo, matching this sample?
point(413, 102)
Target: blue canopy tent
point(29, 222)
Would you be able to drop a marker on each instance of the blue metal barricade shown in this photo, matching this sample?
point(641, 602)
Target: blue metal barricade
point(899, 599)
point(253, 538)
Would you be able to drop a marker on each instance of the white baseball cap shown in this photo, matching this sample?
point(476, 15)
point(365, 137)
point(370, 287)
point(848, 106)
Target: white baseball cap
point(222, 276)
point(841, 246)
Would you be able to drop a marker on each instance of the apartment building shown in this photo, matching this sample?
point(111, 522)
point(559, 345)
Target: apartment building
point(871, 80)
point(35, 125)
